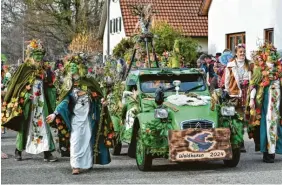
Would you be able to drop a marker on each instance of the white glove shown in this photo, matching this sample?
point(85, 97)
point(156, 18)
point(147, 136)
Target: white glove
point(50, 118)
point(252, 103)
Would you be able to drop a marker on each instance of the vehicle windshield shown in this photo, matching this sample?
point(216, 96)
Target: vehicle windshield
point(193, 82)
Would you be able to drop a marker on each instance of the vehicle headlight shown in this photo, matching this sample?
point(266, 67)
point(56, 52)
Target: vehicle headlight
point(227, 111)
point(161, 113)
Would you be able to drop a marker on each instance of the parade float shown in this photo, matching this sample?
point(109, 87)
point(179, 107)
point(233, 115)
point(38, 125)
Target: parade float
point(170, 113)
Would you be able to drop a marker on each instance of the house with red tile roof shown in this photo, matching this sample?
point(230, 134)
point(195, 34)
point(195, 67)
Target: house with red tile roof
point(183, 14)
point(243, 21)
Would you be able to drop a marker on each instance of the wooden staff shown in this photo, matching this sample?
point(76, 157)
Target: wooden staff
point(102, 114)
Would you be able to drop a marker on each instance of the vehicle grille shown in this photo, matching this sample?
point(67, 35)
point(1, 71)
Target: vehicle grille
point(205, 124)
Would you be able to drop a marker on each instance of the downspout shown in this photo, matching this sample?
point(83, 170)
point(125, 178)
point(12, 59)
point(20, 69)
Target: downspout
point(108, 23)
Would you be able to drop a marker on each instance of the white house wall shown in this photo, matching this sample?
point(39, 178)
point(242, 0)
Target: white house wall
point(249, 16)
point(203, 42)
point(115, 38)
point(278, 24)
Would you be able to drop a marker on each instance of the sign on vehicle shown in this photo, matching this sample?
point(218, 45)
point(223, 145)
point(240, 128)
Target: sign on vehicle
point(200, 144)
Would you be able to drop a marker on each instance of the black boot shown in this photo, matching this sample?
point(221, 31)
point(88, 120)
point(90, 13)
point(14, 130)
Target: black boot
point(243, 149)
point(18, 155)
point(257, 147)
point(257, 138)
point(268, 158)
point(48, 157)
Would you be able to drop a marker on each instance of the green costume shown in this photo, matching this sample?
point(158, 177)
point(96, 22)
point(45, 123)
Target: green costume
point(28, 101)
point(18, 108)
point(174, 61)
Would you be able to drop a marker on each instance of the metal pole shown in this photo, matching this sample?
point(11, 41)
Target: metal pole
point(147, 49)
point(155, 56)
point(108, 23)
point(23, 36)
point(22, 46)
point(131, 62)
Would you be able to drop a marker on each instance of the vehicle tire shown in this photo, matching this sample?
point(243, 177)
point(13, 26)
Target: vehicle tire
point(143, 160)
point(117, 149)
point(132, 149)
point(132, 144)
point(235, 158)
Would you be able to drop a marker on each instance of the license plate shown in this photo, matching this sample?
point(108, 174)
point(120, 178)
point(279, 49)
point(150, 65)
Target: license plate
point(200, 144)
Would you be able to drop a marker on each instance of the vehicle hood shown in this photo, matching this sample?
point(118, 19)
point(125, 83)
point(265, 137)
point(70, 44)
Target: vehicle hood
point(184, 113)
point(180, 113)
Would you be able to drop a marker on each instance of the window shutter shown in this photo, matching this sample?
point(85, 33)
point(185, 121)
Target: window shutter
point(115, 28)
point(111, 26)
point(120, 24)
point(117, 25)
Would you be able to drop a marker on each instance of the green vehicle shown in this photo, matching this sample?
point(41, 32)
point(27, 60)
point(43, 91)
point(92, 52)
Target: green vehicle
point(167, 114)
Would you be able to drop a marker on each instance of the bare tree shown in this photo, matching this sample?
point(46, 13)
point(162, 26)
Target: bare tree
point(55, 22)
point(12, 29)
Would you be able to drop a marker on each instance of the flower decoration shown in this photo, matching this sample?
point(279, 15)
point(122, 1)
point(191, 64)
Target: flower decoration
point(35, 48)
point(267, 53)
point(265, 56)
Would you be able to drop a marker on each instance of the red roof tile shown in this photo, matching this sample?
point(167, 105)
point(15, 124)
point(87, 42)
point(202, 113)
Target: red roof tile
point(179, 13)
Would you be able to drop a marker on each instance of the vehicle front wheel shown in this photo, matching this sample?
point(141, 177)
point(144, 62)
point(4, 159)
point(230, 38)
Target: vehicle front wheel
point(143, 160)
point(235, 158)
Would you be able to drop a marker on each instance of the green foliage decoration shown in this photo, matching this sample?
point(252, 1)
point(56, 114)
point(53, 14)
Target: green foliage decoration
point(165, 41)
point(166, 36)
point(236, 127)
point(122, 47)
point(155, 137)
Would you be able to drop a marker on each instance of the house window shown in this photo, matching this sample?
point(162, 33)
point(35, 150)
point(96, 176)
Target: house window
point(119, 24)
point(115, 25)
point(269, 36)
point(234, 39)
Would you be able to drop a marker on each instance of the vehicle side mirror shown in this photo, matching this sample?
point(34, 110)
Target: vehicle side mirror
point(225, 96)
point(159, 96)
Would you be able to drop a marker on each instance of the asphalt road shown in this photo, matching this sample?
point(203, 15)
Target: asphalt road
point(123, 170)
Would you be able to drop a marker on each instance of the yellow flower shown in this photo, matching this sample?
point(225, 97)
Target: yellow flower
point(22, 94)
point(10, 105)
point(84, 88)
point(252, 112)
point(108, 143)
point(257, 122)
point(33, 44)
point(64, 131)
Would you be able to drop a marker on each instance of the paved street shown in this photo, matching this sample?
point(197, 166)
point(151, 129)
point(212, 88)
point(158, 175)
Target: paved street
point(33, 170)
